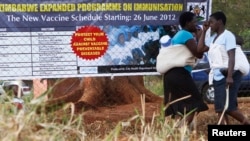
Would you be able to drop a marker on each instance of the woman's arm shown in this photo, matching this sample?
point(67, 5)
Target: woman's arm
point(201, 47)
point(192, 46)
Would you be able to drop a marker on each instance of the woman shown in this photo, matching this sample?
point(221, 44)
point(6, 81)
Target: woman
point(178, 82)
point(221, 48)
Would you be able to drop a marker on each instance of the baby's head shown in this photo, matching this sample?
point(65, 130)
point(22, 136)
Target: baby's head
point(165, 41)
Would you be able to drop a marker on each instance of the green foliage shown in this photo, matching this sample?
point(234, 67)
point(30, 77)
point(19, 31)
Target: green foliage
point(154, 84)
point(238, 15)
point(246, 36)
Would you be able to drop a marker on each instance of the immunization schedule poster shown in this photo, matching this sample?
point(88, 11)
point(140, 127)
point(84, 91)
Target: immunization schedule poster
point(78, 38)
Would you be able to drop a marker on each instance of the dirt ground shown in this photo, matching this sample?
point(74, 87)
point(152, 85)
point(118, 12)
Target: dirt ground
point(114, 114)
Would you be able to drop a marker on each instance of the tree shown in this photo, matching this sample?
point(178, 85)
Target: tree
point(92, 92)
point(237, 17)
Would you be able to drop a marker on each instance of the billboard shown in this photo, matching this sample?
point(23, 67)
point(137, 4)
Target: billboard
point(79, 38)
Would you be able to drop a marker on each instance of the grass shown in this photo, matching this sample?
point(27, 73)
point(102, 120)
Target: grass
point(64, 125)
point(27, 125)
point(154, 84)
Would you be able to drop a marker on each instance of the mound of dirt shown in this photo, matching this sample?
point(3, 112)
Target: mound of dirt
point(125, 112)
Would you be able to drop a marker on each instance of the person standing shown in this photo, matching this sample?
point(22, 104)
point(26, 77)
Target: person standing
point(178, 82)
point(221, 46)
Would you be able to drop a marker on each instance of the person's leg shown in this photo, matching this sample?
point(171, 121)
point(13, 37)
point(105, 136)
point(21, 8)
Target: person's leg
point(190, 118)
point(233, 110)
point(220, 99)
point(181, 92)
point(236, 114)
point(187, 119)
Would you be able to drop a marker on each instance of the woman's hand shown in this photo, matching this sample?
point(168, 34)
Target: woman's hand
point(205, 25)
point(198, 33)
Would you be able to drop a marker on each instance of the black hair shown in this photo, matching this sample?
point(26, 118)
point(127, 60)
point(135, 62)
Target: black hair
point(186, 17)
point(219, 16)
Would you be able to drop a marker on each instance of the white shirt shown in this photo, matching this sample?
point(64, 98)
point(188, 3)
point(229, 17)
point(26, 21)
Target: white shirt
point(226, 39)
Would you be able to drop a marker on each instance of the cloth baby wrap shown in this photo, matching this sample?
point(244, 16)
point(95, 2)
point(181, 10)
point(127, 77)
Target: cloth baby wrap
point(174, 56)
point(218, 58)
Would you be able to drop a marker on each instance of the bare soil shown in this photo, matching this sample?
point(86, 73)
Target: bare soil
point(110, 116)
point(104, 103)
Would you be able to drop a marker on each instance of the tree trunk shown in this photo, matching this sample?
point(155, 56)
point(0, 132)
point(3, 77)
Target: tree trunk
point(100, 91)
